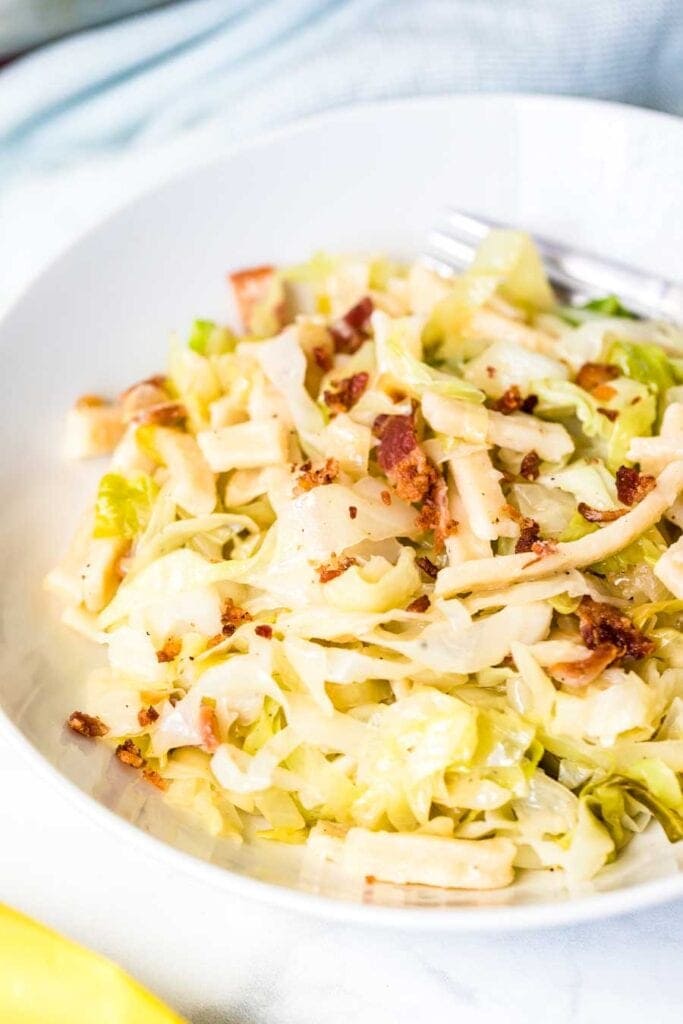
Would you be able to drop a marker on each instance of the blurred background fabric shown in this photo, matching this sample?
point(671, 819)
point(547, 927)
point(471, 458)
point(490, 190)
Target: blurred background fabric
point(109, 109)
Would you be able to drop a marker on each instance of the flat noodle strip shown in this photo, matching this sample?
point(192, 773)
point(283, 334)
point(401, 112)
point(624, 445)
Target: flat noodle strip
point(486, 573)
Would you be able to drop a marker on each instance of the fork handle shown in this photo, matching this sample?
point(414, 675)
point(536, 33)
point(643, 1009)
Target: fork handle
point(592, 276)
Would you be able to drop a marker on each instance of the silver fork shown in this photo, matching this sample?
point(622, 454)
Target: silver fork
point(576, 275)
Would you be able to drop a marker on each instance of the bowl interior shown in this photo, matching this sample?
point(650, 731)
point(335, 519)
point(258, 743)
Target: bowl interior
point(603, 177)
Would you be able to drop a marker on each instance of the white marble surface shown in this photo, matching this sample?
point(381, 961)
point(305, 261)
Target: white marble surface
point(221, 960)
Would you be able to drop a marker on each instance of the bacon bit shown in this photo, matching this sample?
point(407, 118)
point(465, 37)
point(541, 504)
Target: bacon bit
point(214, 641)
point(512, 513)
point(349, 333)
point(310, 478)
point(528, 536)
point(592, 375)
point(170, 650)
point(632, 485)
point(577, 674)
point(600, 515)
point(611, 414)
point(232, 617)
point(601, 623)
point(330, 570)
point(386, 497)
point(435, 514)
point(346, 393)
point(604, 392)
point(490, 372)
point(129, 754)
point(401, 458)
point(87, 725)
point(544, 547)
point(158, 380)
point(154, 779)
point(208, 728)
point(427, 567)
point(163, 414)
point(322, 358)
point(512, 401)
point(251, 287)
point(420, 604)
point(147, 715)
point(90, 402)
point(530, 466)
point(265, 631)
point(353, 511)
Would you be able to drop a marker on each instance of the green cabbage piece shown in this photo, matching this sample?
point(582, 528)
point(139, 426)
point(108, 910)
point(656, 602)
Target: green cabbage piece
point(649, 784)
point(648, 364)
point(609, 306)
point(123, 505)
point(417, 377)
point(646, 550)
point(633, 420)
point(208, 339)
point(561, 398)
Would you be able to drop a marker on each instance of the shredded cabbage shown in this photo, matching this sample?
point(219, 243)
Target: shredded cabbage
point(403, 580)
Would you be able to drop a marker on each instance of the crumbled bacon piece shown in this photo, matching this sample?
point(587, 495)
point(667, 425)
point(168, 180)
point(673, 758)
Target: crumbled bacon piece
point(512, 401)
point(435, 514)
point(580, 673)
point(399, 455)
point(349, 333)
point(420, 604)
point(386, 497)
point(610, 414)
point(252, 287)
point(147, 715)
point(129, 754)
point(632, 485)
point(544, 547)
point(600, 515)
point(208, 728)
point(346, 392)
point(529, 535)
point(170, 650)
point(529, 467)
point(87, 725)
point(214, 641)
point(265, 631)
point(335, 567)
point(604, 392)
point(90, 402)
point(158, 380)
point(353, 511)
point(427, 567)
point(310, 478)
point(322, 358)
point(602, 623)
point(154, 779)
point(163, 414)
point(232, 617)
point(592, 375)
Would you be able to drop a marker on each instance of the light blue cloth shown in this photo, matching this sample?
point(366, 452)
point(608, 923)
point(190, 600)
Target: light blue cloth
point(252, 65)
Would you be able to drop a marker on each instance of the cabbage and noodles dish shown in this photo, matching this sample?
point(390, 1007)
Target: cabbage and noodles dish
point(396, 571)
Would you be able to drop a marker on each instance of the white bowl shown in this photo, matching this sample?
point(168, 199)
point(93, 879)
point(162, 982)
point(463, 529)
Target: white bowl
point(372, 178)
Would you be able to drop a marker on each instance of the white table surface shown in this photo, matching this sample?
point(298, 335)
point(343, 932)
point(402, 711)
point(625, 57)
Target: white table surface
point(220, 959)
